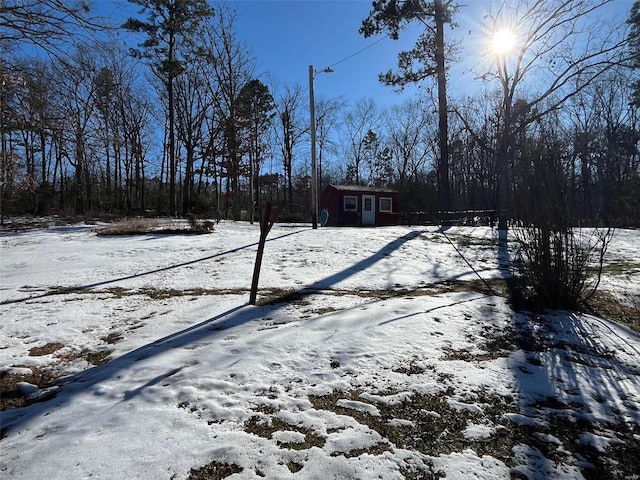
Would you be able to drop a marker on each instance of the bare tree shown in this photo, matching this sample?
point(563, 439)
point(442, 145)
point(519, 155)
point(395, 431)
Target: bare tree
point(51, 25)
point(232, 66)
point(77, 88)
point(169, 25)
point(560, 47)
point(290, 128)
point(327, 123)
point(123, 121)
point(425, 60)
point(358, 120)
point(409, 128)
point(194, 103)
point(256, 111)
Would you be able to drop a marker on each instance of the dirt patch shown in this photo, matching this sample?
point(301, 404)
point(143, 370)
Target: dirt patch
point(214, 471)
point(46, 349)
point(150, 226)
point(12, 397)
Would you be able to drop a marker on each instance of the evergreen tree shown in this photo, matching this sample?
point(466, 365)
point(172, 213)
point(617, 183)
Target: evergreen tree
point(256, 110)
point(169, 24)
point(425, 60)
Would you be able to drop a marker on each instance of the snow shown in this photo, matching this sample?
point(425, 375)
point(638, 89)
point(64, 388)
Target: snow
point(358, 406)
point(478, 432)
point(371, 314)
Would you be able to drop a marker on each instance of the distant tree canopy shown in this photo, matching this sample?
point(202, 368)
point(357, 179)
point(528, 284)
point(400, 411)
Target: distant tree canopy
point(186, 125)
point(50, 25)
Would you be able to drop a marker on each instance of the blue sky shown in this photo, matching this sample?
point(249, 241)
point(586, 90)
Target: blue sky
point(289, 35)
point(286, 36)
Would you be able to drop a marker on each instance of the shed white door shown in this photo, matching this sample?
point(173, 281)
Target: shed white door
point(368, 209)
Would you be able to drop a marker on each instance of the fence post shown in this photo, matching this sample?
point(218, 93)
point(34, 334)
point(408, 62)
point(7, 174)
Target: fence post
point(269, 217)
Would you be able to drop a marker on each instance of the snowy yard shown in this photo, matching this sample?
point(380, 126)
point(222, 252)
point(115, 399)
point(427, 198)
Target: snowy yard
point(372, 354)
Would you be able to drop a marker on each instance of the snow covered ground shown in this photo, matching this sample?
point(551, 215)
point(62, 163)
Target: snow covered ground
point(373, 353)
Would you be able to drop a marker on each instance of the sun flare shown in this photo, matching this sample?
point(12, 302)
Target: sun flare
point(503, 41)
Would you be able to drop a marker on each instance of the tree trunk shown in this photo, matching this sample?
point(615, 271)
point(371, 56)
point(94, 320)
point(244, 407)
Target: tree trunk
point(444, 199)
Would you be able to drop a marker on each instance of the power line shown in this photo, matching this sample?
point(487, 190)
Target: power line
point(368, 46)
point(359, 51)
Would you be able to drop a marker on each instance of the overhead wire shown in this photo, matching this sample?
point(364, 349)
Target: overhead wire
point(363, 49)
point(359, 51)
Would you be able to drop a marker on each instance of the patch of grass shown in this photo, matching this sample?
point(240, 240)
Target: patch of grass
point(411, 368)
point(113, 337)
point(377, 449)
point(98, 358)
point(162, 294)
point(462, 354)
point(152, 293)
point(294, 467)
point(620, 268)
point(323, 310)
point(413, 472)
point(129, 227)
point(266, 409)
point(605, 304)
point(435, 426)
point(150, 226)
point(214, 471)
point(620, 462)
point(46, 349)
point(60, 290)
point(468, 241)
point(432, 427)
point(495, 347)
point(266, 426)
point(498, 344)
point(117, 292)
point(275, 296)
point(11, 397)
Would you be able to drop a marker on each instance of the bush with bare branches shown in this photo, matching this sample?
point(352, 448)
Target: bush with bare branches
point(561, 267)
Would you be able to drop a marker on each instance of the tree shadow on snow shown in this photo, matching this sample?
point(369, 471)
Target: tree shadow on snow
point(84, 381)
point(579, 385)
point(364, 264)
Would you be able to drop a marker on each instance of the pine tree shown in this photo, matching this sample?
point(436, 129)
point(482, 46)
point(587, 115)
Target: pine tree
point(425, 60)
point(169, 24)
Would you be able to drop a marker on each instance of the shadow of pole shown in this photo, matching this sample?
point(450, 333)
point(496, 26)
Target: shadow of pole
point(241, 314)
point(328, 282)
point(82, 288)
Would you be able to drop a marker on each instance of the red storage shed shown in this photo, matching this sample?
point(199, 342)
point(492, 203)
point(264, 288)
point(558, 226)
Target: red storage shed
point(354, 205)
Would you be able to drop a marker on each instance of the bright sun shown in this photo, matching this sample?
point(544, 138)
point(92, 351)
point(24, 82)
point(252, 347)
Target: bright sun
point(503, 41)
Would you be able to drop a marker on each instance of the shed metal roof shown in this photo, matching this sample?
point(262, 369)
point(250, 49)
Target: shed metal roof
point(361, 188)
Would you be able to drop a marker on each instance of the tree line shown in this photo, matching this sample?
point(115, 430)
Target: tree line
point(182, 123)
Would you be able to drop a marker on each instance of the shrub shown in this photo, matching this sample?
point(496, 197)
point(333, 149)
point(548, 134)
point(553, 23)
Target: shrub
point(561, 266)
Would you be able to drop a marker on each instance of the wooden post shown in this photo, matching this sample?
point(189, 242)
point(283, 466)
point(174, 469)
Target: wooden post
point(269, 217)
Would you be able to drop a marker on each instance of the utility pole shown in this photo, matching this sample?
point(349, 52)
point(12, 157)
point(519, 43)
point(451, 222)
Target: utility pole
point(314, 170)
